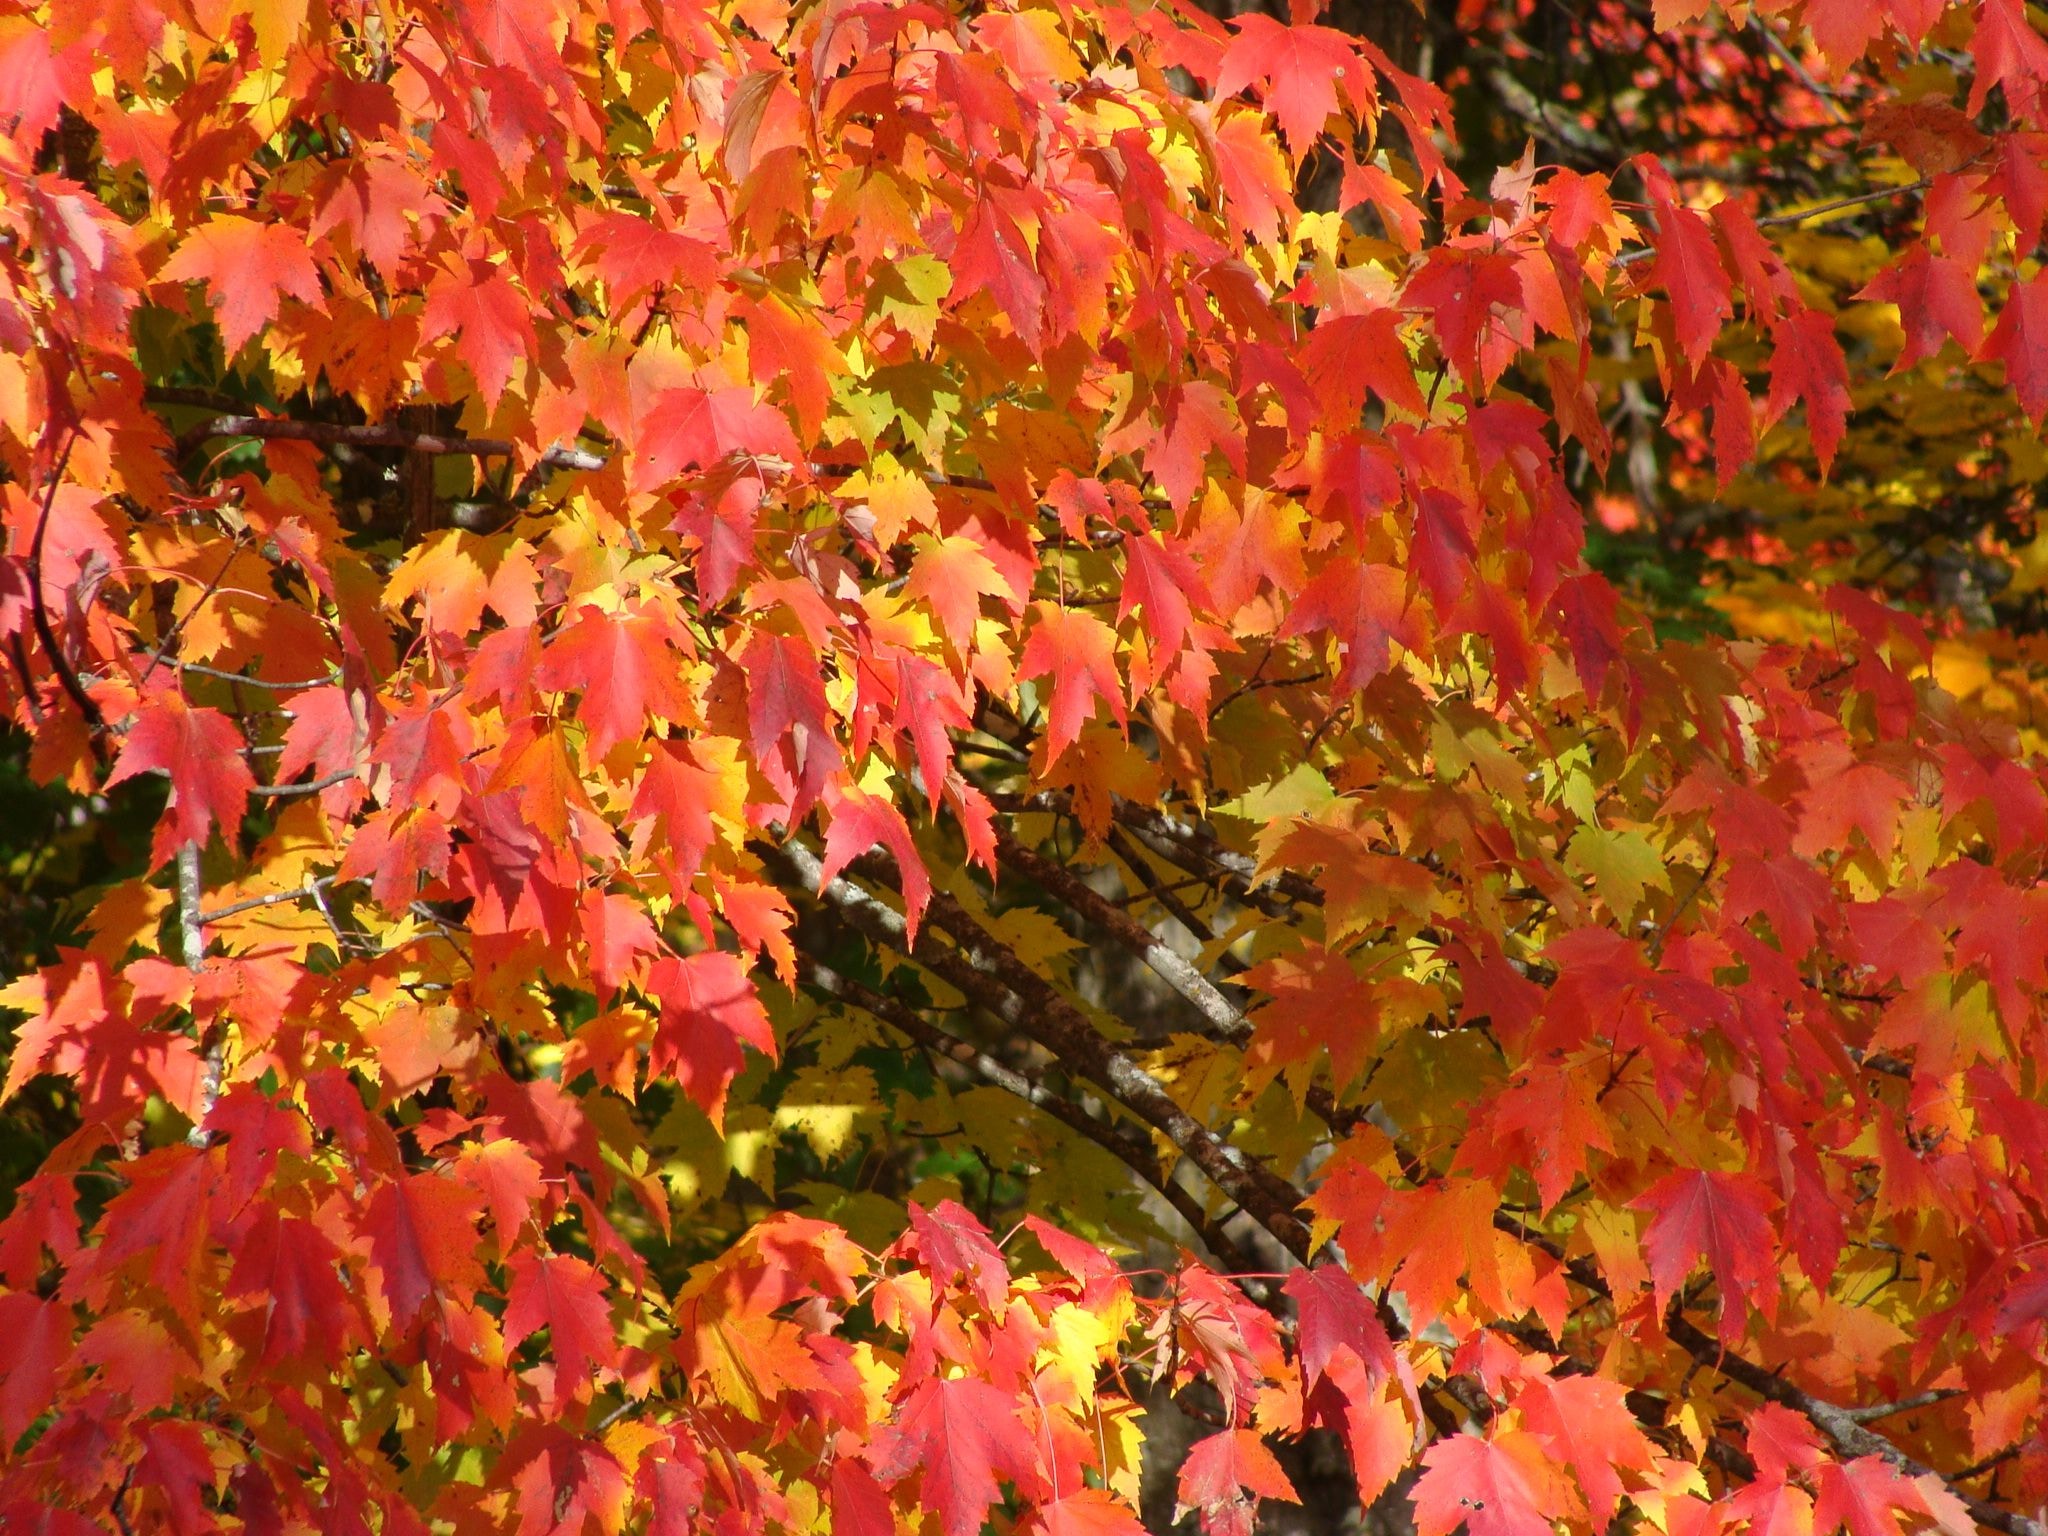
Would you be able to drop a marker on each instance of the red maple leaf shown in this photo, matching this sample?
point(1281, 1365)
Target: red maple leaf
point(993, 256)
point(1503, 1486)
point(1688, 268)
point(200, 752)
point(1335, 1313)
point(956, 1249)
point(422, 1233)
point(2020, 341)
point(963, 1433)
point(859, 821)
point(1590, 1428)
point(288, 1269)
point(246, 265)
point(1807, 364)
point(1722, 1217)
point(494, 321)
point(1078, 651)
point(1225, 1476)
point(1298, 71)
point(709, 1009)
point(1936, 298)
point(1474, 301)
point(626, 666)
point(566, 1296)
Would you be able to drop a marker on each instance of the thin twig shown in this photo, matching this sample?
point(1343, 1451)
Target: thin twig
point(312, 787)
point(192, 931)
point(1800, 216)
point(37, 610)
point(310, 888)
point(374, 436)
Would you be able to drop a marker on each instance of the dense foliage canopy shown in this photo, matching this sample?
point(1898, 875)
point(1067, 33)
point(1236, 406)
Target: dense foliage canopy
point(778, 765)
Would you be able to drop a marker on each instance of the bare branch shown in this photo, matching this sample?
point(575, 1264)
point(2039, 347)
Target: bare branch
point(1131, 1150)
point(993, 976)
point(1165, 962)
point(1840, 1425)
point(285, 791)
point(192, 931)
point(40, 613)
point(374, 436)
point(297, 893)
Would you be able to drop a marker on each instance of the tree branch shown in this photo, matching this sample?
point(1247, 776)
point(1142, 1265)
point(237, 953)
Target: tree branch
point(313, 787)
point(296, 893)
point(1135, 1153)
point(40, 613)
point(374, 436)
point(994, 977)
point(1164, 961)
point(1840, 1425)
point(192, 932)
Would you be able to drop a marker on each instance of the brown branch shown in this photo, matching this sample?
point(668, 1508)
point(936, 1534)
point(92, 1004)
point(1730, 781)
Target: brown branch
point(993, 975)
point(1132, 1151)
point(371, 435)
point(312, 787)
point(40, 613)
point(192, 932)
point(1164, 961)
point(1840, 1425)
point(297, 893)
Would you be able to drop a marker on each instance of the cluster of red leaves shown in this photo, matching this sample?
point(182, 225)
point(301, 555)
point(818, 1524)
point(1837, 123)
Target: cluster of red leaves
point(883, 382)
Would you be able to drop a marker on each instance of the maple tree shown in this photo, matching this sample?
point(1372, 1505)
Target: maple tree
point(804, 756)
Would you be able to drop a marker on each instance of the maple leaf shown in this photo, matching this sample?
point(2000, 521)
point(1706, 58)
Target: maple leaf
point(290, 1271)
point(1723, 1218)
point(1469, 296)
point(1253, 173)
point(1688, 268)
point(1365, 607)
point(566, 1296)
point(566, 1484)
point(422, 1235)
point(625, 665)
point(175, 1461)
point(200, 752)
point(955, 1248)
point(2020, 341)
point(1864, 1497)
point(1078, 651)
point(1336, 1314)
point(709, 1009)
point(953, 574)
point(247, 264)
point(2011, 55)
point(993, 256)
point(508, 1178)
point(1781, 1440)
point(964, 1433)
point(860, 821)
point(785, 698)
point(1937, 300)
point(477, 302)
point(1087, 1512)
point(39, 1339)
point(1298, 70)
point(1807, 364)
point(1503, 1485)
point(860, 1507)
point(1225, 1476)
point(1589, 1426)
point(692, 428)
